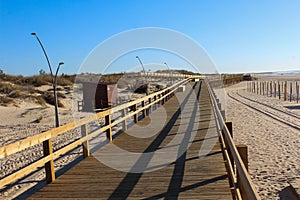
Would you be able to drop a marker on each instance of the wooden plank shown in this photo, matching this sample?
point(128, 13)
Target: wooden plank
point(190, 177)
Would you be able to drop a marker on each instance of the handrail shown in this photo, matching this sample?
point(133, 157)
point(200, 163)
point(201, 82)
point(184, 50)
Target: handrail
point(241, 175)
point(48, 135)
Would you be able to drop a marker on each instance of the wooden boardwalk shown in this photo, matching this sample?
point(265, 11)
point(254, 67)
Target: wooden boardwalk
point(189, 177)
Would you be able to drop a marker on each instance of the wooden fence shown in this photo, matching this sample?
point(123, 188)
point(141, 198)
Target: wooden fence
point(236, 158)
point(128, 110)
point(288, 91)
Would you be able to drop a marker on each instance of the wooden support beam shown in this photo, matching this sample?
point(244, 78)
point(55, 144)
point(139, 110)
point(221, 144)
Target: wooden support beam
point(124, 123)
point(49, 166)
point(149, 109)
point(85, 145)
point(108, 131)
point(144, 111)
point(135, 117)
point(230, 129)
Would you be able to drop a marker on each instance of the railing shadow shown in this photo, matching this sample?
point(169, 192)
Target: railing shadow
point(131, 179)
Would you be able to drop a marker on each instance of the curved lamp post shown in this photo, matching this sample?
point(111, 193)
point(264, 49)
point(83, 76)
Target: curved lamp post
point(54, 79)
point(170, 72)
point(146, 77)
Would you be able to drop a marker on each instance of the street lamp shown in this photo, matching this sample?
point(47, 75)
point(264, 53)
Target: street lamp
point(147, 89)
point(54, 79)
point(170, 72)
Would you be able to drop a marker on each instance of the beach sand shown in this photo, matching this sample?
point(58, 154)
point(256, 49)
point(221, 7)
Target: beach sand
point(273, 146)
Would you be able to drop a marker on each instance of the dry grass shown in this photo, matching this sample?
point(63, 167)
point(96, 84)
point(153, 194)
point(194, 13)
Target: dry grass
point(41, 101)
point(38, 80)
point(49, 98)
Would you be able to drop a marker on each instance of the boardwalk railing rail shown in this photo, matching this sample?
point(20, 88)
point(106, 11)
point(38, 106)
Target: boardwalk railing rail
point(239, 178)
point(128, 110)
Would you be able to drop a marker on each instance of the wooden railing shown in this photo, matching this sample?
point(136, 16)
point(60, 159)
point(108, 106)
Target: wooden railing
point(240, 179)
point(128, 110)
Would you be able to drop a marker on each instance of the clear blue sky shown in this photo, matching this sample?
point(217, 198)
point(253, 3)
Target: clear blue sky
point(239, 36)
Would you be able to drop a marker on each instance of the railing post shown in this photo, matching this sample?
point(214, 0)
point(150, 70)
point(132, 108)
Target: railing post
point(230, 129)
point(108, 131)
point(149, 109)
point(85, 145)
point(124, 123)
point(135, 116)
point(49, 166)
point(155, 105)
point(243, 151)
point(144, 111)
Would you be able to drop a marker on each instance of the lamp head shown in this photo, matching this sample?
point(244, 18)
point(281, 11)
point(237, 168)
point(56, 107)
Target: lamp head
point(61, 63)
point(137, 57)
point(33, 33)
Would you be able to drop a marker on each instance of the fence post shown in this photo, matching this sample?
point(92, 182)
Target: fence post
point(108, 131)
point(124, 123)
point(279, 92)
point(297, 88)
point(49, 166)
point(274, 89)
point(291, 91)
point(85, 145)
point(267, 89)
point(271, 88)
point(285, 95)
point(260, 91)
point(243, 151)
